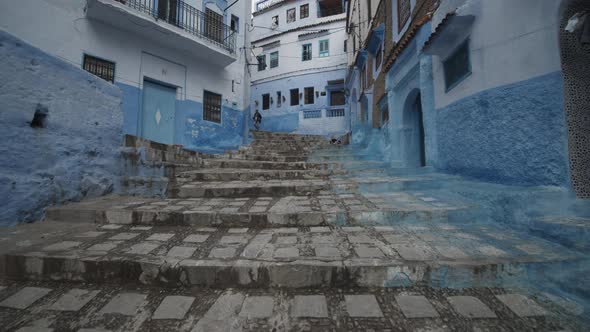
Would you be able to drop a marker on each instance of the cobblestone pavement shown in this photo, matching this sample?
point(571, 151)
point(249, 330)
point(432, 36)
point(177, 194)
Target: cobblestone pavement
point(41, 307)
point(260, 239)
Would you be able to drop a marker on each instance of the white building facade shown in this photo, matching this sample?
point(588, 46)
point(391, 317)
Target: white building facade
point(299, 67)
point(180, 64)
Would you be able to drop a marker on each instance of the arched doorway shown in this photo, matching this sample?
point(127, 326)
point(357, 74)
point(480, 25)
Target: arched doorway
point(575, 57)
point(413, 135)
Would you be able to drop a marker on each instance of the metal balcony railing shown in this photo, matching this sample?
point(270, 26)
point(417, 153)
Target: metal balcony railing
point(208, 25)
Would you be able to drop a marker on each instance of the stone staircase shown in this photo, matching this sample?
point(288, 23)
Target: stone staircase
point(287, 220)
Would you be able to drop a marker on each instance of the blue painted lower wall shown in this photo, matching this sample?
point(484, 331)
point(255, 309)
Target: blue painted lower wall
point(191, 131)
point(512, 134)
point(76, 154)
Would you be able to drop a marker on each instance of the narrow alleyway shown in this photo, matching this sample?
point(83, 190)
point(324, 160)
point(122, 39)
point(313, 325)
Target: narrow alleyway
point(288, 234)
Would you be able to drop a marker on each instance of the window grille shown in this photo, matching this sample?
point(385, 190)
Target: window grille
point(334, 113)
point(99, 67)
point(212, 107)
point(404, 11)
point(313, 114)
point(291, 15)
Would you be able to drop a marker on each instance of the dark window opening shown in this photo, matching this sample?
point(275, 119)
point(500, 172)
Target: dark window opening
point(261, 62)
point(457, 66)
point(308, 96)
point(40, 117)
point(306, 52)
point(214, 26)
point(294, 97)
point(337, 98)
point(345, 48)
point(212, 107)
point(265, 101)
point(235, 24)
point(279, 101)
point(99, 67)
point(304, 11)
point(167, 11)
point(275, 21)
point(274, 59)
point(330, 7)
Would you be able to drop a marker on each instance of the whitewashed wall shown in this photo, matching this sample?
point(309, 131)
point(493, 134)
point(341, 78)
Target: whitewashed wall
point(502, 52)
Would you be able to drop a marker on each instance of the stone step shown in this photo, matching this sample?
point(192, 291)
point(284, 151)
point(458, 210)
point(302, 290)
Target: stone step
point(250, 164)
point(324, 209)
point(570, 231)
point(441, 255)
point(269, 134)
point(255, 188)
point(228, 174)
point(263, 157)
point(54, 307)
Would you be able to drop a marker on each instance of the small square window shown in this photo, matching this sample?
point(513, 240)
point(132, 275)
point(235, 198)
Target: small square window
point(324, 48)
point(291, 15)
point(294, 97)
point(275, 21)
point(304, 11)
point(274, 59)
point(212, 107)
point(235, 24)
point(265, 101)
point(306, 52)
point(261, 59)
point(457, 66)
point(99, 67)
point(308, 96)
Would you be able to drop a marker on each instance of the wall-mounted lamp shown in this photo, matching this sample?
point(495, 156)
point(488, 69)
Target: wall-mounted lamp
point(256, 102)
point(317, 94)
point(271, 101)
point(284, 99)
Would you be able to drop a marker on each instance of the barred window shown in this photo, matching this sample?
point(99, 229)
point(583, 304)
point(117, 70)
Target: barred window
point(291, 15)
point(212, 107)
point(378, 58)
point(404, 10)
point(99, 67)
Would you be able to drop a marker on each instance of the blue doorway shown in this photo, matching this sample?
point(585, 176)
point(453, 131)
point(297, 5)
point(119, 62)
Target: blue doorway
point(158, 110)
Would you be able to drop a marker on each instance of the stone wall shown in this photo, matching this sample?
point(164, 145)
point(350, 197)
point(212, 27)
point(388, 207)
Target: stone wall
point(74, 151)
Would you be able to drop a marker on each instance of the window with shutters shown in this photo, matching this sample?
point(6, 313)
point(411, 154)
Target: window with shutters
point(306, 52)
point(99, 67)
point(274, 59)
point(324, 48)
point(212, 107)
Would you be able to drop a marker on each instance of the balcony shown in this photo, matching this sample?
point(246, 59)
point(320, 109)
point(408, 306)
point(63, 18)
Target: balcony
point(173, 24)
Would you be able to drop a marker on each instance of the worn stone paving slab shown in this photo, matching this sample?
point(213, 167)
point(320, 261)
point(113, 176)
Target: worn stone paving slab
point(25, 297)
point(140, 308)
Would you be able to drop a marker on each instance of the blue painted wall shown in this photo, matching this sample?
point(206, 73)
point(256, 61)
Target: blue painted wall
point(190, 131)
point(76, 155)
point(511, 134)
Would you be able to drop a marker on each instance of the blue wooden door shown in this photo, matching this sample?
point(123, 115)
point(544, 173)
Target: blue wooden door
point(159, 107)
